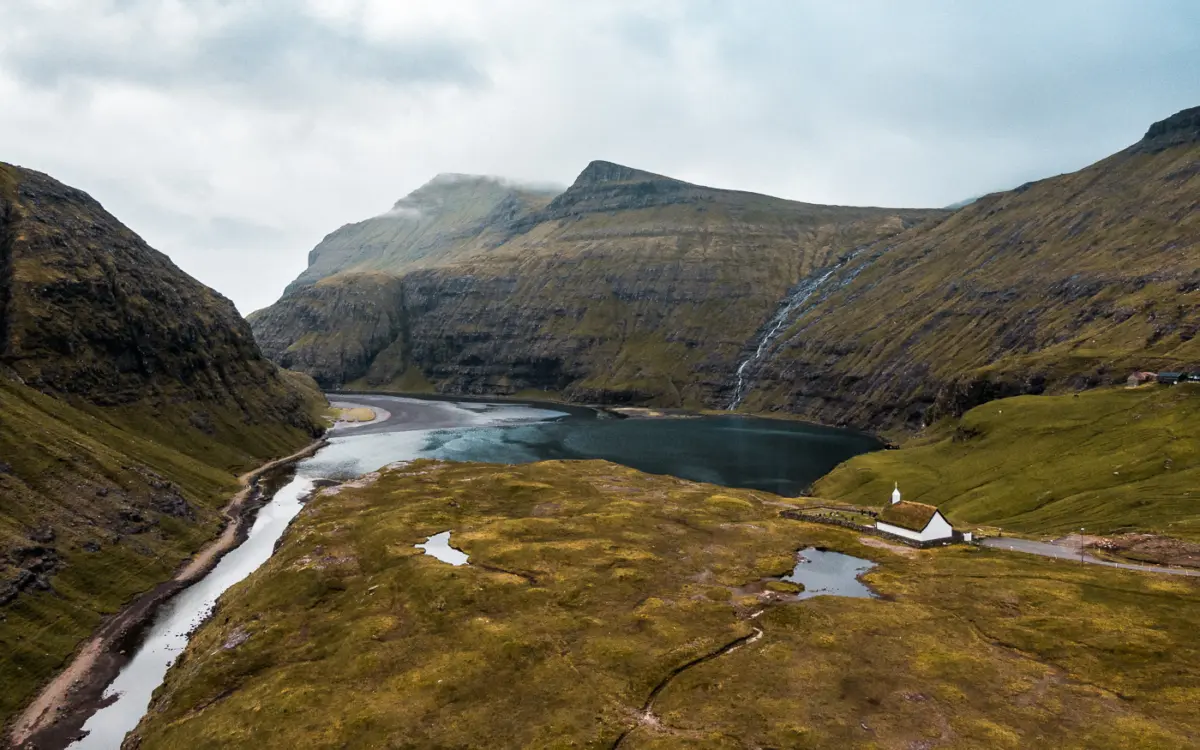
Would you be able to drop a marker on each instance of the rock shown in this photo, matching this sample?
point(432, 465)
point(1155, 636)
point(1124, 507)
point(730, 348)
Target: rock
point(100, 315)
point(45, 535)
point(236, 638)
point(635, 288)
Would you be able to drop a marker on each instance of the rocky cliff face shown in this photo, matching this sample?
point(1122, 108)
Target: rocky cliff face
point(1065, 283)
point(92, 312)
point(131, 396)
point(628, 286)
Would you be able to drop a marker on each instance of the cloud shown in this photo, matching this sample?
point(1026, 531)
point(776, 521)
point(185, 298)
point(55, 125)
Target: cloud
point(277, 51)
point(235, 135)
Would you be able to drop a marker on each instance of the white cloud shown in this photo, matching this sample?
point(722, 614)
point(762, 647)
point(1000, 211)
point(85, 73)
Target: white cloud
point(234, 135)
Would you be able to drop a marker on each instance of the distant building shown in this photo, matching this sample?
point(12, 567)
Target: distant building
point(1138, 378)
point(917, 521)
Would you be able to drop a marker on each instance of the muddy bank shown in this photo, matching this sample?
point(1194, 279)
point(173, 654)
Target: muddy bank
point(56, 716)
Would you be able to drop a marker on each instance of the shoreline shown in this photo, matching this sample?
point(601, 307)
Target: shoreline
point(614, 411)
point(57, 714)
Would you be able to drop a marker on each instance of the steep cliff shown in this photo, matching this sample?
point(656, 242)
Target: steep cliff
point(1060, 284)
point(628, 286)
point(131, 397)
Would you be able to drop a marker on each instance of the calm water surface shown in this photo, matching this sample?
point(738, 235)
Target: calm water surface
point(776, 456)
point(438, 546)
point(830, 573)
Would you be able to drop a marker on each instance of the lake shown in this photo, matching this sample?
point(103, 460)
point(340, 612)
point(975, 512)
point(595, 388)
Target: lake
point(780, 456)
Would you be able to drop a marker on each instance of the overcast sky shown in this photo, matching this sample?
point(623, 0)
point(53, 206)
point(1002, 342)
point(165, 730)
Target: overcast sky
point(233, 135)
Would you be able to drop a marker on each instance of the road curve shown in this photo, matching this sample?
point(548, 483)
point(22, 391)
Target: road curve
point(1065, 552)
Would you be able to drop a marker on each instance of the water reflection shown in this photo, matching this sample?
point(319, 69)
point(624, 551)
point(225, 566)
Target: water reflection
point(830, 573)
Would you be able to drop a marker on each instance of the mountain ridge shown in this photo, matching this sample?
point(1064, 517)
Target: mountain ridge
point(680, 286)
point(642, 264)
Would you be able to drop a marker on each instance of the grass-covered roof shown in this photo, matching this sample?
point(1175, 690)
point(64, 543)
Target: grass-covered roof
point(906, 515)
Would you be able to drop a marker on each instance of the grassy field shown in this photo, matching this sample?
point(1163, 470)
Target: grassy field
point(590, 584)
point(1107, 460)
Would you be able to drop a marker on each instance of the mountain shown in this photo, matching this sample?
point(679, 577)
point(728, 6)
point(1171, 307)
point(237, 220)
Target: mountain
point(626, 287)
point(131, 397)
point(1061, 284)
point(423, 227)
point(635, 287)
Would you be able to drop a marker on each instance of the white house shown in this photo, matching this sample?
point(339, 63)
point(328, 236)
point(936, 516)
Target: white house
point(918, 521)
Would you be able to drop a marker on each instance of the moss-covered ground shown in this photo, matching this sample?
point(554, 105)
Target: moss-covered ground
point(589, 584)
point(1108, 460)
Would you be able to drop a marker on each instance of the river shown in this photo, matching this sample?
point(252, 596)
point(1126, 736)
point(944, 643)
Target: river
point(779, 456)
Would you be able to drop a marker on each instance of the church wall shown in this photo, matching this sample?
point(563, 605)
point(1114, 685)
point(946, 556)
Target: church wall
point(898, 531)
point(937, 528)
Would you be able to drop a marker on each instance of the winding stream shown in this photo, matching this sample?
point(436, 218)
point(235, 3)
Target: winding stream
point(777, 456)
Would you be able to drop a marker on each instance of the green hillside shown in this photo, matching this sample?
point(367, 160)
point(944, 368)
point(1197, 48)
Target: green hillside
point(1061, 284)
point(1108, 460)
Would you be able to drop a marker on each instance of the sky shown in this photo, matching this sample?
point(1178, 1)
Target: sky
point(234, 135)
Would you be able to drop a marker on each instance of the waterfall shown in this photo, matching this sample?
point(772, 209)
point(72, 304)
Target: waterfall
point(795, 298)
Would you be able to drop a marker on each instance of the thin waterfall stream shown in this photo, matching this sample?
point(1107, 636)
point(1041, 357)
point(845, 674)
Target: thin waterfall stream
point(795, 298)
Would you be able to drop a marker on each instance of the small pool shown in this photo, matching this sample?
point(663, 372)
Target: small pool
point(830, 573)
point(438, 545)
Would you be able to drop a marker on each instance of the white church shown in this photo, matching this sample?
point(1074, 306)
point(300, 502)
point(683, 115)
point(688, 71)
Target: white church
point(917, 521)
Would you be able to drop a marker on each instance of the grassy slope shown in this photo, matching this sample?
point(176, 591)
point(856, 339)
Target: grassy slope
point(349, 637)
point(1068, 282)
point(77, 470)
point(1108, 460)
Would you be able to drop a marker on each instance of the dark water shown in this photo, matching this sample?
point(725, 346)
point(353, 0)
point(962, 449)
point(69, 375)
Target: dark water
point(773, 455)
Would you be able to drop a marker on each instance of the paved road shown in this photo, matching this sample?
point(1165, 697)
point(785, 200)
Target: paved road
point(1066, 552)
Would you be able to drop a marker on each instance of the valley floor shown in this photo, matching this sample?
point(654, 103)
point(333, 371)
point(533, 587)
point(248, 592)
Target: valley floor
point(589, 585)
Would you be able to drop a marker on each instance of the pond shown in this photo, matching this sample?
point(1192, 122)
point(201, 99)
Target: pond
point(438, 546)
point(823, 572)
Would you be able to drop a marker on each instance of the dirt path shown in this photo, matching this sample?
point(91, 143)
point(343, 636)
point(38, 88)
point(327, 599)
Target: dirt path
point(899, 549)
point(62, 707)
